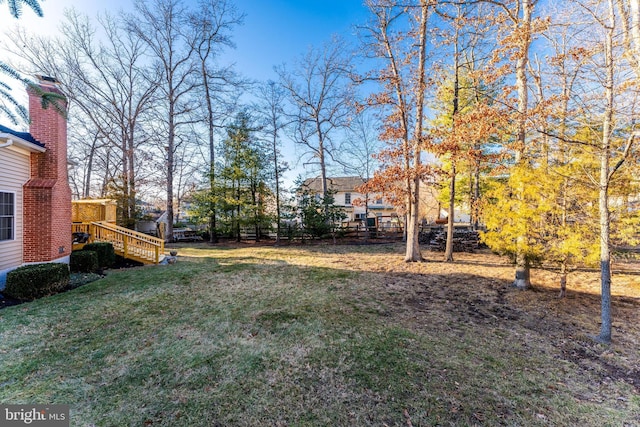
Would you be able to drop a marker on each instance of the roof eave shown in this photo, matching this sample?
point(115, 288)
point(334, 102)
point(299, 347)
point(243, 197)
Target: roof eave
point(15, 140)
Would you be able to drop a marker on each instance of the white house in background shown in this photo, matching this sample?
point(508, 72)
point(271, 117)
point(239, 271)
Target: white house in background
point(378, 206)
point(352, 201)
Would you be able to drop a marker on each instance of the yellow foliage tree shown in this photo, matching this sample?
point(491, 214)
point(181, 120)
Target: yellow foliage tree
point(514, 209)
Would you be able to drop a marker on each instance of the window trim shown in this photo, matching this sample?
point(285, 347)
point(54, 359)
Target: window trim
point(13, 225)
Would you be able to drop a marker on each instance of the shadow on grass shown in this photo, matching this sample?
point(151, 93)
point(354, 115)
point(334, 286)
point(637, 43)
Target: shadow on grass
point(236, 340)
point(311, 245)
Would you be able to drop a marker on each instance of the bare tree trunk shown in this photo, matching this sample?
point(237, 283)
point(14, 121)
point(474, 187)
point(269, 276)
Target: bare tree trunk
point(567, 84)
point(277, 176)
point(605, 257)
point(213, 20)
point(271, 105)
point(523, 273)
point(238, 211)
point(413, 244)
point(213, 235)
point(124, 177)
point(603, 198)
point(448, 252)
point(170, 167)
point(161, 24)
point(366, 216)
point(563, 278)
point(476, 196)
point(319, 91)
point(106, 178)
point(131, 179)
point(323, 166)
point(86, 191)
point(256, 210)
point(564, 265)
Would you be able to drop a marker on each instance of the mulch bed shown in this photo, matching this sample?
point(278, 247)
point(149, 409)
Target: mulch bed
point(7, 301)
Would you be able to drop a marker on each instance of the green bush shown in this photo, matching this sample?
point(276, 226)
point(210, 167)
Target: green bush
point(106, 254)
point(37, 280)
point(84, 261)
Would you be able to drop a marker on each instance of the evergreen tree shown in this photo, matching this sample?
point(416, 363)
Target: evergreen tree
point(241, 189)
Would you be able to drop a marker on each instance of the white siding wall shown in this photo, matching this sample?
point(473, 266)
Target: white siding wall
point(14, 172)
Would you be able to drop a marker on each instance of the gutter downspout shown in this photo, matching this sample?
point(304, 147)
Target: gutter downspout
point(7, 144)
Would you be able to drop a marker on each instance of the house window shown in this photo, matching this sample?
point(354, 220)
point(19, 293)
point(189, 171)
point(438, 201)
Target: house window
point(360, 217)
point(7, 215)
point(347, 198)
point(379, 201)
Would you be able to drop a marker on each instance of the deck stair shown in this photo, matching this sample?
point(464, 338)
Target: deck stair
point(128, 243)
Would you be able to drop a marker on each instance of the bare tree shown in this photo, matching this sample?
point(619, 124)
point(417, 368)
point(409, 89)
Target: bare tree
point(358, 152)
point(106, 79)
point(164, 25)
point(460, 129)
point(271, 108)
point(319, 92)
point(213, 23)
point(609, 165)
point(398, 38)
point(186, 174)
point(84, 148)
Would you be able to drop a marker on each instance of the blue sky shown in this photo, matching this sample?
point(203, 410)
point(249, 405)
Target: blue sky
point(277, 31)
point(274, 31)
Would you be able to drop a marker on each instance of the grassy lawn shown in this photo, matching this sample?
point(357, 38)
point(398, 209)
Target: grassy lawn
point(325, 336)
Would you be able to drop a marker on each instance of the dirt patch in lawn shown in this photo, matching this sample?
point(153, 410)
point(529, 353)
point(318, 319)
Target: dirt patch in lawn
point(476, 289)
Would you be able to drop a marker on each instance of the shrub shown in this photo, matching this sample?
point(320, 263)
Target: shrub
point(106, 254)
point(37, 280)
point(84, 261)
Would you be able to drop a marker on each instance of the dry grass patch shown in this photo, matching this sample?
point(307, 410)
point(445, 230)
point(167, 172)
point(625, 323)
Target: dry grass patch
point(323, 335)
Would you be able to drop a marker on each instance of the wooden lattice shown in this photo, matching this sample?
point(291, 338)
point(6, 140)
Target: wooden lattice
point(93, 210)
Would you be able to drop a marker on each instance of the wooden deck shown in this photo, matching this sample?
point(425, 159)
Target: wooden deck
point(127, 243)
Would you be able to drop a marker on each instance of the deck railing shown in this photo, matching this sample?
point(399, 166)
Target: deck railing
point(128, 243)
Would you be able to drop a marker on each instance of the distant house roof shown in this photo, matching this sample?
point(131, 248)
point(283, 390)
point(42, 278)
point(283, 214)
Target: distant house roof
point(21, 138)
point(339, 184)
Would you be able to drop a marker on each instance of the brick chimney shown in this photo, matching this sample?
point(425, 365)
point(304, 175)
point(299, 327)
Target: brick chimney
point(47, 195)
